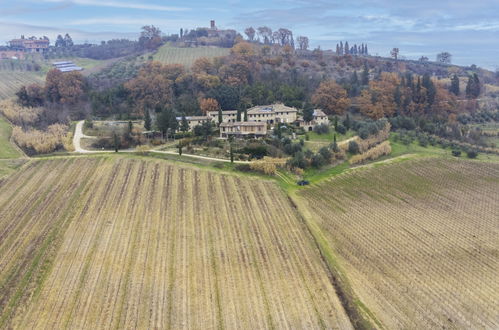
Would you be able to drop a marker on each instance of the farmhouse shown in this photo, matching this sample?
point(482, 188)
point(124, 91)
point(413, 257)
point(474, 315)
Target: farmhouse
point(228, 116)
point(272, 114)
point(319, 118)
point(194, 120)
point(243, 129)
point(30, 45)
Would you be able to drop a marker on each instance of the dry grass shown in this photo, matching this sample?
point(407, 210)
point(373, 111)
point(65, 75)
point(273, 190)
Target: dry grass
point(372, 154)
point(114, 242)
point(41, 142)
point(19, 115)
point(418, 240)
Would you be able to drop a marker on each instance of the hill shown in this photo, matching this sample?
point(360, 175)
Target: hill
point(92, 243)
point(187, 56)
point(417, 240)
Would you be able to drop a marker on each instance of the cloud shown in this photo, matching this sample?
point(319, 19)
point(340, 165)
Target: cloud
point(121, 4)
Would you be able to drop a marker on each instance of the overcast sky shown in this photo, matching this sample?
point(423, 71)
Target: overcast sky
point(467, 29)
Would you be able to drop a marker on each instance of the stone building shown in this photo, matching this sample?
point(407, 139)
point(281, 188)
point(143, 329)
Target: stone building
point(194, 121)
point(243, 129)
point(30, 45)
point(273, 114)
point(319, 118)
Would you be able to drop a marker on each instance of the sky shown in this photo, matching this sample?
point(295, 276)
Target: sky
point(469, 30)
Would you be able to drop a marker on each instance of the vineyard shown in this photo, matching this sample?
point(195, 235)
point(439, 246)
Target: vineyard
point(115, 242)
point(417, 239)
point(11, 81)
point(187, 56)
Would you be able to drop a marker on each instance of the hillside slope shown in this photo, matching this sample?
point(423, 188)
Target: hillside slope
point(113, 242)
point(418, 240)
point(187, 56)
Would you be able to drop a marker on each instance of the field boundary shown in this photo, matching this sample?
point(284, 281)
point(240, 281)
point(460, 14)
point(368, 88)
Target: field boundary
point(359, 315)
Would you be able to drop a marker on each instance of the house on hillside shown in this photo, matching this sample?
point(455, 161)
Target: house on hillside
point(228, 116)
point(243, 129)
point(194, 121)
point(319, 118)
point(273, 114)
point(30, 45)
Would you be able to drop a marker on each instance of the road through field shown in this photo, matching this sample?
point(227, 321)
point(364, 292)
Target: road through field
point(78, 135)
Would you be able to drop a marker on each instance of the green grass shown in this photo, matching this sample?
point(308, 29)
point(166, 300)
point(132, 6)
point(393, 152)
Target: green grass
point(313, 136)
point(9, 166)
point(187, 56)
point(7, 150)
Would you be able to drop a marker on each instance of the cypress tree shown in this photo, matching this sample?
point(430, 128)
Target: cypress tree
point(147, 121)
point(347, 48)
point(365, 75)
point(220, 116)
point(454, 86)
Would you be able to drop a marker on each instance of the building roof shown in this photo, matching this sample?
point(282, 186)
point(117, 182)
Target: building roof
point(195, 118)
point(319, 113)
point(224, 112)
point(263, 109)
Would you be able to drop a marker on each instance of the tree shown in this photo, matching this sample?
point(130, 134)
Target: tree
point(302, 42)
point(331, 97)
point(454, 86)
point(150, 37)
point(166, 121)
point(203, 130)
point(395, 53)
point(147, 121)
point(308, 112)
point(220, 116)
point(208, 105)
point(153, 86)
point(365, 75)
point(444, 57)
point(250, 32)
point(473, 88)
point(265, 33)
point(68, 41)
point(130, 127)
point(184, 124)
point(59, 42)
point(423, 59)
point(347, 48)
point(116, 141)
point(65, 88)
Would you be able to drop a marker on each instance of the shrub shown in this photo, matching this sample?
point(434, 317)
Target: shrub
point(143, 150)
point(263, 167)
point(456, 153)
point(40, 142)
point(353, 147)
point(341, 129)
point(318, 160)
point(298, 160)
point(18, 115)
point(326, 153)
point(321, 129)
point(372, 154)
point(471, 154)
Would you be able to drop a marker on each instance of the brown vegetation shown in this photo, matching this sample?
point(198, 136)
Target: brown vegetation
point(372, 154)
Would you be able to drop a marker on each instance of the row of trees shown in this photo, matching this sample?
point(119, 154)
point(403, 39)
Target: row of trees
point(354, 50)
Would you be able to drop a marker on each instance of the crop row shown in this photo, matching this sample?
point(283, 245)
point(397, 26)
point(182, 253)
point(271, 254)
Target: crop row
point(187, 56)
point(150, 245)
point(11, 81)
point(418, 240)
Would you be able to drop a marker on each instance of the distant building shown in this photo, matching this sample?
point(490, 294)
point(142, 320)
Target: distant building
point(30, 45)
point(66, 66)
point(228, 116)
point(273, 114)
point(194, 121)
point(243, 129)
point(319, 118)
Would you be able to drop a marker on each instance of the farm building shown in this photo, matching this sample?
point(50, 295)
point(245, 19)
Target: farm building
point(11, 55)
point(319, 118)
point(30, 45)
point(228, 116)
point(194, 120)
point(243, 129)
point(66, 66)
point(272, 114)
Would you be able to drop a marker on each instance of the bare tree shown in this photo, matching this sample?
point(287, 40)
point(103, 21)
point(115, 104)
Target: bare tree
point(285, 37)
point(250, 32)
point(302, 42)
point(395, 53)
point(423, 59)
point(444, 57)
point(265, 33)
